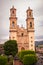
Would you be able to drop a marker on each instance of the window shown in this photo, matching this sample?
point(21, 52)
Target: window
point(29, 13)
point(13, 12)
point(13, 24)
point(30, 24)
point(31, 37)
point(32, 49)
point(31, 45)
point(31, 41)
point(22, 34)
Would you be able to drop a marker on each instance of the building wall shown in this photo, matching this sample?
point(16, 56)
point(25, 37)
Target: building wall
point(24, 37)
point(13, 35)
point(31, 41)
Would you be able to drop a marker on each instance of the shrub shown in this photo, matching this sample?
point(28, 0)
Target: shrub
point(29, 59)
point(25, 52)
point(3, 60)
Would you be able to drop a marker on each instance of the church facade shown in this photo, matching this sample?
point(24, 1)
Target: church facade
point(24, 37)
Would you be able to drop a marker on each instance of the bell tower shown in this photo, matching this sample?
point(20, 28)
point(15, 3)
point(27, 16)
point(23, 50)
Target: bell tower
point(30, 28)
point(13, 24)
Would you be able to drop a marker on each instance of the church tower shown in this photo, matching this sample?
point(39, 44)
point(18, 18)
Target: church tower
point(30, 28)
point(13, 24)
point(24, 37)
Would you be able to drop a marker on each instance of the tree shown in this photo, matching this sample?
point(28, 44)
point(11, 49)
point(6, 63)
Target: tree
point(10, 47)
point(29, 59)
point(25, 52)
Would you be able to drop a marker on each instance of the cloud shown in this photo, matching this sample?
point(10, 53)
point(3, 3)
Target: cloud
point(22, 6)
point(39, 37)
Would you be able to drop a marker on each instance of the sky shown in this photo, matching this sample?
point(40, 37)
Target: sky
point(21, 6)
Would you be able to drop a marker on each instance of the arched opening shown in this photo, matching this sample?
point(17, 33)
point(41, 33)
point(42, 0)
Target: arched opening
point(29, 13)
point(22, 48)
point(30, 24)
point(13, 24)
point(22, 34)
point(13, 12)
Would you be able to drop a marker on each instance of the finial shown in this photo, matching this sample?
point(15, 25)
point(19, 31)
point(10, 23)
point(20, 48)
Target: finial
point(28, 7)
point(13, 6)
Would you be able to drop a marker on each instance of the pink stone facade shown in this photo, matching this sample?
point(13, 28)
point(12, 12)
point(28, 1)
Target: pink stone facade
point(24, 37)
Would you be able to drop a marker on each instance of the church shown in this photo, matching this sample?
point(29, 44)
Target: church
point(24, 37)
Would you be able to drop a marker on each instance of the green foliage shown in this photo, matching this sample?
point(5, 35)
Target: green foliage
point(10, 60)
point(29, 59)
point(3, 60)
point(10, 47)
point(25, 52)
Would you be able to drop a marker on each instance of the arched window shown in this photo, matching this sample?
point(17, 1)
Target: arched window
point(22, 34)
point(13, 12)
point(30, 24)
point(31, 45)
point(29, 13)
point(13, 24)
